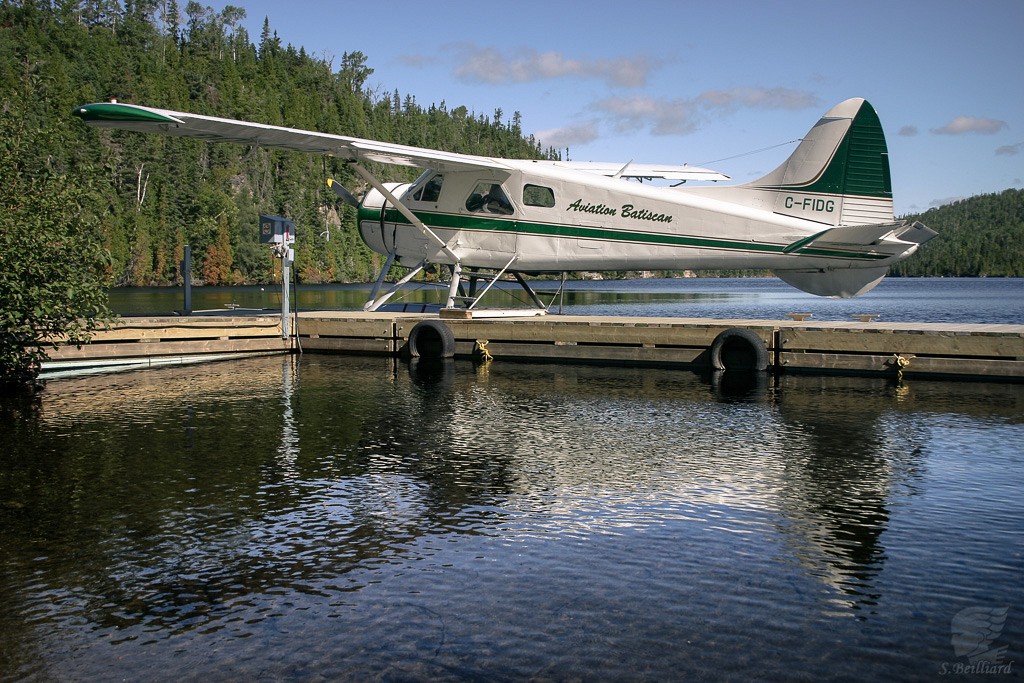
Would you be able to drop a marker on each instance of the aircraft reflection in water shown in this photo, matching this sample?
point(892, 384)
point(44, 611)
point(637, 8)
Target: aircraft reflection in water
point(546, 442)
point(809, 457)
point(552, 452)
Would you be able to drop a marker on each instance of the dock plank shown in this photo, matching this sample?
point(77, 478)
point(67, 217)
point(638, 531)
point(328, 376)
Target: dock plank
point(347, 327)
point(930, 342)
point(919, 366)
point(169, 348)
point(338, 344)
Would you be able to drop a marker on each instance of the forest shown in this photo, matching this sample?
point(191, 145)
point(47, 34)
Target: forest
point(152, 195)
point(982, 236)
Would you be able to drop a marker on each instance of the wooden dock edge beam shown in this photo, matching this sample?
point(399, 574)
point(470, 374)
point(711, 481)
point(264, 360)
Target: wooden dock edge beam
point(938, 351)
point(986, 352)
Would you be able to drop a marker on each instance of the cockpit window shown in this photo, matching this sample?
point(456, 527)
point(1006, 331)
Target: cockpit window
point(431, 190)
point(538, 195)
point(488, 197)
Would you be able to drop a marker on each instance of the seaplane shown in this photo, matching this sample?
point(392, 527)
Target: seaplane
point(822, 221)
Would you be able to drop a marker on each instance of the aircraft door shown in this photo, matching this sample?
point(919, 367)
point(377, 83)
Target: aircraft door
point(490, 236)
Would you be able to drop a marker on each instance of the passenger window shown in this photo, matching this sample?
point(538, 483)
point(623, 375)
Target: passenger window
point(536, 195)
point(488, 197)
point(431, 191)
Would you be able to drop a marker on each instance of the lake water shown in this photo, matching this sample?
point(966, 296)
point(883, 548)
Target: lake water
point(989, 300)
point(359, 518)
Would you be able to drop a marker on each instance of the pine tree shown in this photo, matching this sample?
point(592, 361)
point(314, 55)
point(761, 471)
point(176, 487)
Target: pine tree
point(218, 264)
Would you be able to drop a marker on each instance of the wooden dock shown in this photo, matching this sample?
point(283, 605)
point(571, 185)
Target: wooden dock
point(872, 347)
point(148, 342)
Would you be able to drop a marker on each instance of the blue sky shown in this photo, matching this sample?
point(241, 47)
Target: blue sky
point(704, 83)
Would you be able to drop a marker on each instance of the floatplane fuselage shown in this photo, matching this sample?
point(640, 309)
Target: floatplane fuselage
point(823, 221)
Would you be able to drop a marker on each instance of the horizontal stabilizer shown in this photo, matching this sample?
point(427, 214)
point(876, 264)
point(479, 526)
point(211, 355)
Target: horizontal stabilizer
point(918, 233)
point(863, 236)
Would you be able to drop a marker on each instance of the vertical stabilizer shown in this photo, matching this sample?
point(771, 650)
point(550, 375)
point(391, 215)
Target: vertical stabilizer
point(839, 173)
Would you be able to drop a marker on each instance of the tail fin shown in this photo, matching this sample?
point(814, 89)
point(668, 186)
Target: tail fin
point(838, 178)
point(839, 173)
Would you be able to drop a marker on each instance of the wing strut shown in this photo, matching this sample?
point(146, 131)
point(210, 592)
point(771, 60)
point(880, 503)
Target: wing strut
point(380, 281)
point(493, 279)
point(374, 303)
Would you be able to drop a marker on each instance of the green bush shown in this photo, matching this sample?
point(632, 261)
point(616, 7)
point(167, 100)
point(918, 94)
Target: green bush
point(52, 260)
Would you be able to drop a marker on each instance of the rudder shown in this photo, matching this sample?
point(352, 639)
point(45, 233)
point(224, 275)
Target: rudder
point(839, 173)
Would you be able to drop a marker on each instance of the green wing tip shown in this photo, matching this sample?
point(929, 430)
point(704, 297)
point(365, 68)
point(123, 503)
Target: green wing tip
point(125, 113)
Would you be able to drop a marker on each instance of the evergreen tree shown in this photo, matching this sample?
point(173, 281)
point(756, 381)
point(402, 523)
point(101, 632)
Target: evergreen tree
point(218, 263)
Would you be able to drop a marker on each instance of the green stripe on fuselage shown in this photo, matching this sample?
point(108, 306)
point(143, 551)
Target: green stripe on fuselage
point(480, 223)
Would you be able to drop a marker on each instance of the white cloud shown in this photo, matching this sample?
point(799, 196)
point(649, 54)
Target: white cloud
point(416, 60)
point(758, 98)
point(662, 117)
point(683, 116)
point(962, 125)
point(487, 65)
point(1010, 150)
point(908, 131)
point(659, 116)
point(568, 136)
point(946, 200)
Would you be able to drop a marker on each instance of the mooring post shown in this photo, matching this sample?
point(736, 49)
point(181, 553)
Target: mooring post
point(280, 234)
point(186, 277)
point(286, 330)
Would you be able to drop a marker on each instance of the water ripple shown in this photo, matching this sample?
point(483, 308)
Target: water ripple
point(342, 517)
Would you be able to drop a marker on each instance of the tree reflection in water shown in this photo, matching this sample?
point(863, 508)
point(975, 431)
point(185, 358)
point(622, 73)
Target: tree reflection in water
point(422, 505)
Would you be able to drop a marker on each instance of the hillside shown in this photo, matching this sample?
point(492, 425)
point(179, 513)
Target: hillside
point(153, 194)
point(982, 236)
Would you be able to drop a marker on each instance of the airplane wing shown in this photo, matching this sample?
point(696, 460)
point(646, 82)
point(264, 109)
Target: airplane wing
point(212, 128)
point(641, 171)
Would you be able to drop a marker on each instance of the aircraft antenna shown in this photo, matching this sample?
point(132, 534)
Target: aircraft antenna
point(747, 154)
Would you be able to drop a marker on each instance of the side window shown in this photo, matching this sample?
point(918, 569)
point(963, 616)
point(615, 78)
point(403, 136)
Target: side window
point(537, 195)
point(431, 190)
point(488, 197)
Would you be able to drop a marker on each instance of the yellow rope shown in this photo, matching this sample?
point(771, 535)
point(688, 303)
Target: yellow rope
point(900, 362)
point(481, 350)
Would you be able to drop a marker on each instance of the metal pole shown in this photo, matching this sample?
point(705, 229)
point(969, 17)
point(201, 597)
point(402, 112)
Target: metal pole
point(453, 290)
point(561, 293)
point(286, 326)
point(186, 276)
